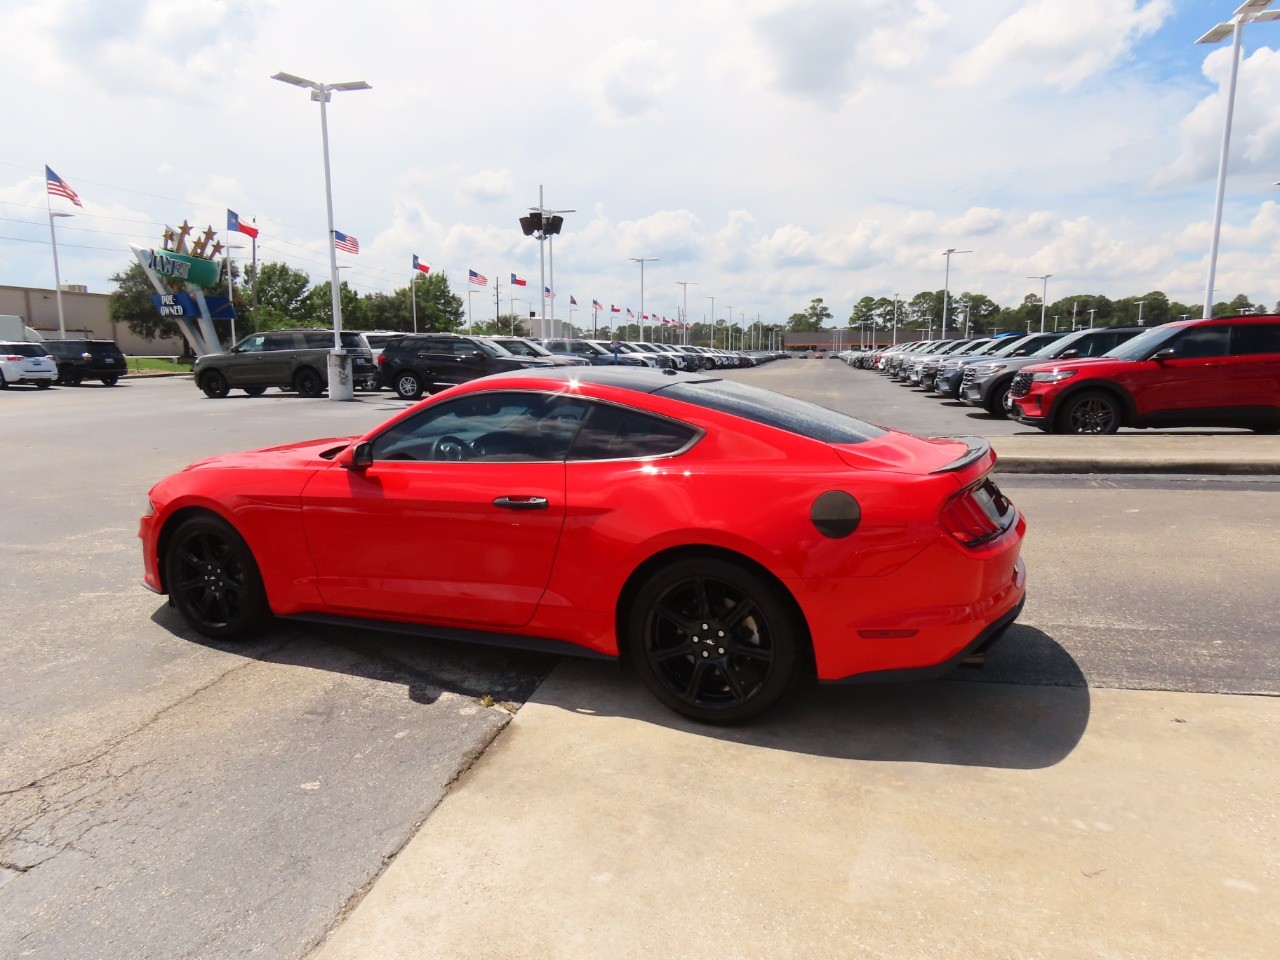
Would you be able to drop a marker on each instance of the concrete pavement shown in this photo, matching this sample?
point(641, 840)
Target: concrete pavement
point(947, 819)
point(1221, 453)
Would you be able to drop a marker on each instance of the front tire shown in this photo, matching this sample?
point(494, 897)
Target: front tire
point(1090, 412)
point(308, 383)
point(110, 381)
point(214, 385)
point(213, 580)
point(995, 398)
point(712, 640)
point(254, 391)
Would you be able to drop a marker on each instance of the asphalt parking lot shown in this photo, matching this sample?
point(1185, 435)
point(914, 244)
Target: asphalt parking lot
point(164, 796)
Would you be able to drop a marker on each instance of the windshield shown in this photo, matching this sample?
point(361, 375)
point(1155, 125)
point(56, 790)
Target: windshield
point(774, 410)
point(1054, 348)
point(1144, 344)
point(526, 348)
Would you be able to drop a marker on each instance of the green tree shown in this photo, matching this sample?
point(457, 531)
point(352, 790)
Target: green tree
point(131, 304)
point(317, 307)
point(924, 312)
point(814, 317)
point(281, 293)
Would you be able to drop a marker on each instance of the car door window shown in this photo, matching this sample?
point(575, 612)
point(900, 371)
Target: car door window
point(1200, 342)
point(278, 341)
point(495, 427)
point(616, 433)
point(1253, 338)
point(252, 344)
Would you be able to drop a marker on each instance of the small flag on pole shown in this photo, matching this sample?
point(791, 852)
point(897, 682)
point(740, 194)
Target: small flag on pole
point(572, 301)
point(518, 281)
point(595, 305)
point(546, 292)
point(419, 265)
point(59, 188)
point(344, 242)
point(614, 309)
point(479, 279)
point(234, 224)
point(630, 314)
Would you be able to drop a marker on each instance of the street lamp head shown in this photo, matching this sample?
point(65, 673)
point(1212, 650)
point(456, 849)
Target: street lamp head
point(295, 80)
point(58, 213)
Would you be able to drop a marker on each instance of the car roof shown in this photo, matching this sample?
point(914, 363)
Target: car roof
point(639, 379)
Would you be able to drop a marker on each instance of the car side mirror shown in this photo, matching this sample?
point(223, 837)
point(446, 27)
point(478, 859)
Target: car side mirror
point(1068, 354)
point(359, 457)
point(1168, 353)
point(479, 355)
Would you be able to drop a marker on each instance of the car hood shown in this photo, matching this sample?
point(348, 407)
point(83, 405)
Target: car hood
point(1076, 363)
point(304, 453)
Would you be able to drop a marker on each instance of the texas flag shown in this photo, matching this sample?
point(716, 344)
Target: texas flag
point(419, 265)
point(518, 281)
point(233, 223)
point(666, 322)
point(572, 302)
point(613, 309)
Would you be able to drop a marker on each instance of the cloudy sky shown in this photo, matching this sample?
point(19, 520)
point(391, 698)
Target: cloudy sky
point(768, 150)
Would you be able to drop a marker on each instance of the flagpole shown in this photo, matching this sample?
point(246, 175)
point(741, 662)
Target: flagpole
point(497, 304)
point(254, 243)
point(231, 306)
point(57, 274)
point(413, 298)
point(550, 292)
point(471, 323)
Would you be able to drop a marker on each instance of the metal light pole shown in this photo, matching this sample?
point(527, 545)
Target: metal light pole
point(57, 274)
point(685, 285)
point(1248, 12)
point(1092, 311)
point(713, 319)
point(512, 306)
point(642, 261)
point(946, 287)
point(340, 384)
point(1140, 303)
point(546, 225)
point(231, 307)
point(896, 298)
point(1043, 296)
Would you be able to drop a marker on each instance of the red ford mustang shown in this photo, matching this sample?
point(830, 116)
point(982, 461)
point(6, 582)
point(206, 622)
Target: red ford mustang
point(716, 534)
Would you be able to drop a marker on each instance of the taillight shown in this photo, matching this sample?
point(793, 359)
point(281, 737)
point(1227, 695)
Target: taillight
point(977, 514)
point(382, 358)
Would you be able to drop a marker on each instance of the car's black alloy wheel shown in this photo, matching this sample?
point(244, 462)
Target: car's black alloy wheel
point(1090, 412)
point(214, 385)
point(308, 383)
point(713, 640)
point(213, 580)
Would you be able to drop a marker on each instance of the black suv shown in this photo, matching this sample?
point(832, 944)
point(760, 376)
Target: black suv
point(80, 360)
point(427, 362)
point(288, 359)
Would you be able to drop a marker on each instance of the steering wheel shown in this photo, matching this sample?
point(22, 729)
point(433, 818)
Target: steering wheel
point(450, 447)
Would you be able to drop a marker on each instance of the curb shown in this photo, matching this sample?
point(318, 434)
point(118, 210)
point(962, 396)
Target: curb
point(1205, 467)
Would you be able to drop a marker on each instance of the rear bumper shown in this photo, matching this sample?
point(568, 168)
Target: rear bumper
point(983, 641)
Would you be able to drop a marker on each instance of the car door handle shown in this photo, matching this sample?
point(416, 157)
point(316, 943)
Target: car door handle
point(521, 503)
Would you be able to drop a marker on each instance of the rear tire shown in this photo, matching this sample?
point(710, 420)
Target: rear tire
point(713, 640)
point(408, 385)
point(214, 385)
point(213, 579)
point(254, 391)
point(110, 381)
point(43, 384)
point(308, 383)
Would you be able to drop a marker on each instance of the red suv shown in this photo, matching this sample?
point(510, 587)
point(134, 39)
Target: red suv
point(1223, 372)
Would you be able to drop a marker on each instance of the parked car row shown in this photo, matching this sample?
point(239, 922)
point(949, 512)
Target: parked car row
point(413, 364)
point(1223, 372)
point(68, 362)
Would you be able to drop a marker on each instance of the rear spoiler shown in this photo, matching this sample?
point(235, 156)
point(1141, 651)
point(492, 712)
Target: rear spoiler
point(976, 449)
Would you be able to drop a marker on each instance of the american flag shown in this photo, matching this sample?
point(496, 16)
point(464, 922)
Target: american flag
point(58, 187)
point(419, 265)
point(595, 305)
point(479, 279)
point(518, 281)
point(546, 292)
point(630, 314)
point(344, 242)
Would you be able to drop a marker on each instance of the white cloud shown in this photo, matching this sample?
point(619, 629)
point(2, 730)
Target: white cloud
point(1060, 43)
point(488, 186)
point(630, 79)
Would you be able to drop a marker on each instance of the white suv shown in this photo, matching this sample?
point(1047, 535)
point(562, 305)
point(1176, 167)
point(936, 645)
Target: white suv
point(26, 363)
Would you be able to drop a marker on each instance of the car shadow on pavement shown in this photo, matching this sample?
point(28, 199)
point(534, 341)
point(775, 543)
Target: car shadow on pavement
point(424, 667)
point(1027, 709)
